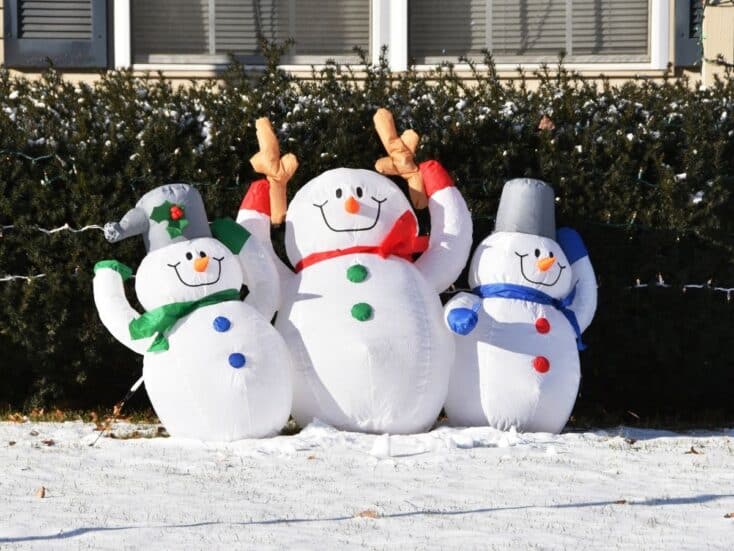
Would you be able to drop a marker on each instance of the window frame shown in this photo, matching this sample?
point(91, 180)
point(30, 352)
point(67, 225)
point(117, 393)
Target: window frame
point(389, 26)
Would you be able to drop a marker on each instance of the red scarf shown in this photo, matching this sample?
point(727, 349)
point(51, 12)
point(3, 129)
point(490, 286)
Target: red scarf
point(400, 241)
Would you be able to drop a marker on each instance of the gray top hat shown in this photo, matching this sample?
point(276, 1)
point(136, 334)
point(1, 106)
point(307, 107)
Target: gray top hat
point(527, 206)
point(164, 215)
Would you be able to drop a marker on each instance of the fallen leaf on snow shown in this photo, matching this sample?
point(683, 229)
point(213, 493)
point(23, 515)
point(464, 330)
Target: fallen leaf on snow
point(33, 433)
point(729, 515)
point(368, 513)
point(621, 502)
point(49, 442)
point(694, 451)
point(311, 457)
point(41, 492)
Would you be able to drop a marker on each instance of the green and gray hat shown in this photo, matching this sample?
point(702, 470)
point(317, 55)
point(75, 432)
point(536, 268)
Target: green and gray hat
point(164, 215)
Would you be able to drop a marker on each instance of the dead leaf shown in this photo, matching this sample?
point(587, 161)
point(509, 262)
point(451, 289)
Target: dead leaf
point(11, 443)
point(368, 513)
point(59, 415)
point(49, 442)
point(310, 457)
point(41, 492)
point(729, 515)
point(620, 502)
point(631, 441)
point(694, 451)
point(33, 433)
point(546, 123)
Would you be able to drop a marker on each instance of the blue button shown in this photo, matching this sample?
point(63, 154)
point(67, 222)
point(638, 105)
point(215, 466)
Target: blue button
point(222, 324)
point(237, 360)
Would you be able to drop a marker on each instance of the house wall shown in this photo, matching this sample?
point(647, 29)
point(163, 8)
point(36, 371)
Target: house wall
point(718, 32)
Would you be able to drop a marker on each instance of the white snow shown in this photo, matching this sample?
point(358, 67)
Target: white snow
point(450, 488)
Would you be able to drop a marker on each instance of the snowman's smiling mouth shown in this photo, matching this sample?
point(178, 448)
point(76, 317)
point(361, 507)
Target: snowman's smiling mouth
point(522, 271)
point(365, 228)
point(219, 274)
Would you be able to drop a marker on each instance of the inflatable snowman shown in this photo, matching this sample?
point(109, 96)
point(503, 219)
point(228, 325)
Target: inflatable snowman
point(519, 332)
point(214, 367)
point(362, 319)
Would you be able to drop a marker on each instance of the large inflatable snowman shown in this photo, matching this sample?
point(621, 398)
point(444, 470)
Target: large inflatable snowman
point(519, 331)
point(214, 367)
point(362, 319)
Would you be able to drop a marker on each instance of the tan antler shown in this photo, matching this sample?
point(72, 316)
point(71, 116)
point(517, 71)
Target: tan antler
point(401, 156)
point(278, 170)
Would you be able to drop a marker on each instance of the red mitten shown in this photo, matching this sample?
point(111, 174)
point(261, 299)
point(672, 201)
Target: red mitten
point(434, 177)
point(257, 197)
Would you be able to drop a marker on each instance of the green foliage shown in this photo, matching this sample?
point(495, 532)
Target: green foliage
point(644, 171)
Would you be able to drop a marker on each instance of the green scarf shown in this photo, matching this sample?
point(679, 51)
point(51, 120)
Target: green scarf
point(163, 318)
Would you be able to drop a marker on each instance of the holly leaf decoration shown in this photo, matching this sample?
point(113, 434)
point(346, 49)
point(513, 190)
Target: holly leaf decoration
point(162, 213)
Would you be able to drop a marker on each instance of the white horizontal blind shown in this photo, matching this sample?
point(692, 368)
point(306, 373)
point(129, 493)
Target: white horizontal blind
point(529, 30)
point(240, 24)
point(327, 28)
point(169, 27)
point(55, 19)
point(610, 27)
point(209, 30)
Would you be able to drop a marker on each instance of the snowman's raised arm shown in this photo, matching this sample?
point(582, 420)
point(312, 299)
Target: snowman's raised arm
point(584, 279)
point(254, 216)
point(451, 228)
point(257, 265)
point(112, 304)
point(451, 225)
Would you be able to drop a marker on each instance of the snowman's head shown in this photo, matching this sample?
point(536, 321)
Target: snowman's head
point(522, 259)
point(342, 208)
point(185, 271)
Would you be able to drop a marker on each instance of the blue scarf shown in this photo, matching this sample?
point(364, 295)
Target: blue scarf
point(520, 292)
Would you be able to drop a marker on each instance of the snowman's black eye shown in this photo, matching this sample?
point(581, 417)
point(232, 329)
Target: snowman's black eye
point(537, 253)
point(550, 254)
point(202, 254)
point(338, 193)
point(189, 256)
point(359, 192)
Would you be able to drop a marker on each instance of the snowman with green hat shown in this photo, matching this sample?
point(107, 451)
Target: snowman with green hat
point(214, 367)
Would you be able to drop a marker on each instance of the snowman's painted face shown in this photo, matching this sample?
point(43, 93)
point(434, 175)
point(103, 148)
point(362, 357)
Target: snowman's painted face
point(342, 208)
point(187, 270)
point(522, 259)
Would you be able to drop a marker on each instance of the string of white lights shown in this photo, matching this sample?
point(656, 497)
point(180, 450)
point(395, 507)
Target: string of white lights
point(26, 278)
point(708, 285)
point(65, 227)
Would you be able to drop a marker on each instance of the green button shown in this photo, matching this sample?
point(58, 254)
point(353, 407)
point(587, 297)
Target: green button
point(357, 273)
point(362, 311)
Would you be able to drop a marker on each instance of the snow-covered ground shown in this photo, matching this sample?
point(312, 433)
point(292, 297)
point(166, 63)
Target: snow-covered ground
point(450, 488)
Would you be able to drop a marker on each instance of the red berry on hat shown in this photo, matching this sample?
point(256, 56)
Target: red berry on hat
point(176, 212)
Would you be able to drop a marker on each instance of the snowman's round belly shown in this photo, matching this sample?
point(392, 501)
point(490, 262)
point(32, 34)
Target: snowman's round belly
point(370, 352)
point(224, 377)
point(520, 367)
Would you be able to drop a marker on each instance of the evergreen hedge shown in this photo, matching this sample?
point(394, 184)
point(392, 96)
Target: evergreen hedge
point(645, 171)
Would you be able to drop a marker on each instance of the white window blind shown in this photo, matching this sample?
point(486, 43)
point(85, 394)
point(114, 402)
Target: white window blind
point(208, 30)
point(529, 30)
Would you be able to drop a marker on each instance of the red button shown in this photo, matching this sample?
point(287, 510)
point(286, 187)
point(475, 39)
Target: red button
point(541, 364)
point(542, 325)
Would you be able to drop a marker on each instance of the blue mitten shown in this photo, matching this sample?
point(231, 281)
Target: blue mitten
point(462, 320)
point(571, 243)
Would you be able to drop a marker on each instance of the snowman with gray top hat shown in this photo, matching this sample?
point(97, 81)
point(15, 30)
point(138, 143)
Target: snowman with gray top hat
point(214, 367)
point(518, 332)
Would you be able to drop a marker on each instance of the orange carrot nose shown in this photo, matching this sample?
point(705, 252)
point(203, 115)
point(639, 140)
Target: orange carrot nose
point(200, 264)
point(351, 205)
point(544, 264)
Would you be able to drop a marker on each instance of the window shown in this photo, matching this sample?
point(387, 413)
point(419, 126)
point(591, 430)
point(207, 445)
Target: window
point(191, 31)
point(530, 30)
point(71, 33)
